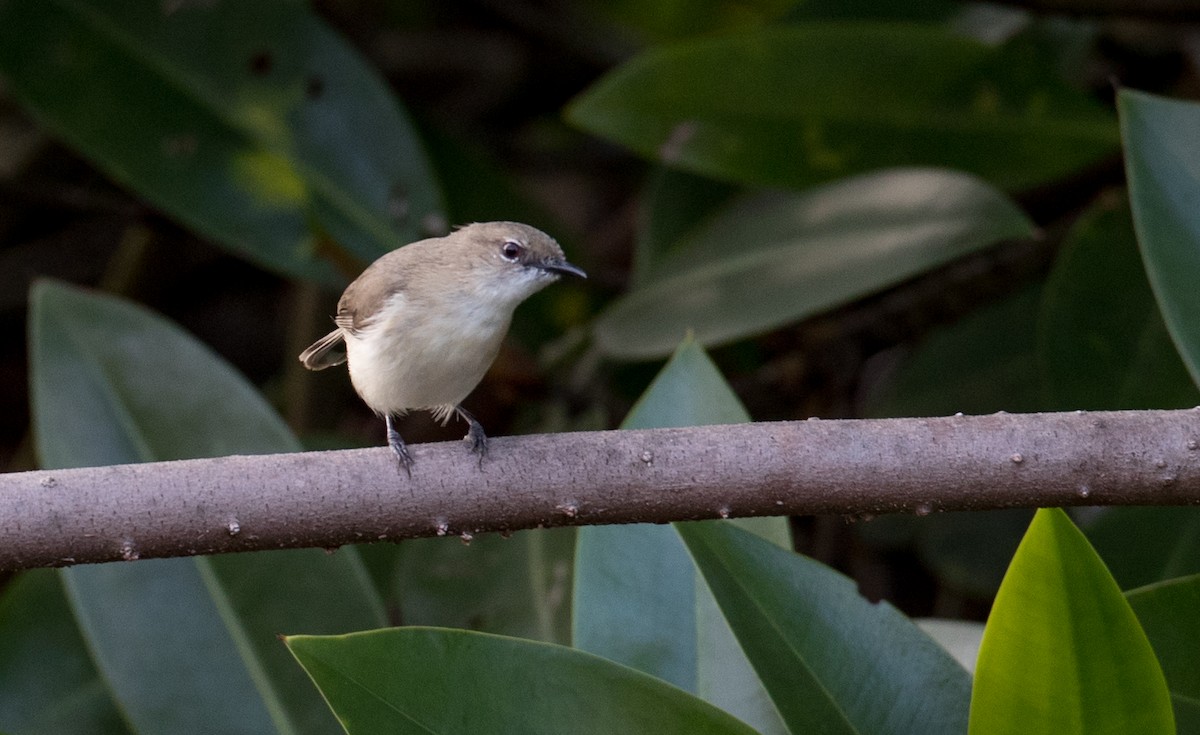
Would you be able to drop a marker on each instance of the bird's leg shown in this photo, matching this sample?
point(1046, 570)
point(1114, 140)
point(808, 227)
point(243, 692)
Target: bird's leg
point(397, 445)
point(475, 435)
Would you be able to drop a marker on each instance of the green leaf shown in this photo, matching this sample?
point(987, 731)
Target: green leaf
point(1167, 612)
point(1063, 652)
point(48, 684)
point(1144, 545)
point(251, 123)
point(985, 362)
point(969, 552)
point(113, 383)
point(683, 18)
point(517, 586)
point(688, 391)
point(673, 203)
point(794, 105)
point(832, 661)
point(180, 643)
point(1101, 338)
point(423, 680)
point(662, 620)
point(1161, 164)
point(769, 259)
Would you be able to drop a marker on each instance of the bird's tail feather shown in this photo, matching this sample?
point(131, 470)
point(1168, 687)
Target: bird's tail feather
point(325, 352)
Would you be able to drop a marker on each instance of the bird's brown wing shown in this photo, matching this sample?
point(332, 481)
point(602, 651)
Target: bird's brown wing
point(368, 296)
point(325, 352)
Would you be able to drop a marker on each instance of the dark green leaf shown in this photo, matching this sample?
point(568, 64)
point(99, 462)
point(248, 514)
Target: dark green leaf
point(832, 661)
point(48, 683)
point(772, 258)
point(986, 362)
point(673, 204)
point(423, 680)
point(1145, 545)
point(251, 123)
point(1063, 652)
point(1161, 163)
point(1167, 612)
point(793, 105)
point(969, 552)
point(517, 586)
point(682, 18)
point(1101, 339)
point(181, 644)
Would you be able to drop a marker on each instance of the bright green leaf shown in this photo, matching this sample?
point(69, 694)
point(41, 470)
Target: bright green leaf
point(1162, 164)
point(1063, 652)
point(423, 680)
point(252, 123)
point(769, 259)
point(1167, 612)
point(832, 661)
point(1101, 339)
point(794, 105)
point(637, 597)
point(180, 643)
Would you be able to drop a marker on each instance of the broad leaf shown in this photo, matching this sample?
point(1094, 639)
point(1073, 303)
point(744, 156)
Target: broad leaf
point(832, 661)
point(1163, 167)
point(423, 680)
point(638, 599)
point(1101, 338)
point(180, 643)
point(769, 259)
point(794, 105)
point(1063, 652)
point(48, 683)
point(1144, 545)
point(252, 123)
point(673, 204)
point(1167, 612)
point(518, 586)
point(983, 363)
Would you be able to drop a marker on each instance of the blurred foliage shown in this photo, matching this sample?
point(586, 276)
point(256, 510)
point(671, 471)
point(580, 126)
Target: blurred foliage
point(880, 210)
point(263, 144)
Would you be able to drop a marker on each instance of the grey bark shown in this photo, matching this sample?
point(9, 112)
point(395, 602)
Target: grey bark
point(852, 467)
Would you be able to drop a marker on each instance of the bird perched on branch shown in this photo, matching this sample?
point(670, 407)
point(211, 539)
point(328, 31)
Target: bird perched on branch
point(422, 324)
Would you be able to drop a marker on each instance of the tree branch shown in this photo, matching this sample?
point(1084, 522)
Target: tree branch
point(325, 499)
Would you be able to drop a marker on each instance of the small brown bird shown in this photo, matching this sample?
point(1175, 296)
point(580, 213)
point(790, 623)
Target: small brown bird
point(422, 324)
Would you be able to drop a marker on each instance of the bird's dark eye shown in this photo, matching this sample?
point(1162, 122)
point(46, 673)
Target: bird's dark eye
point(511, 250)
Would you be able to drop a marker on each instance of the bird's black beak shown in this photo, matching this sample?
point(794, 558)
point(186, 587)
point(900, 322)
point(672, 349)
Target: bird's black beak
point(561, 267)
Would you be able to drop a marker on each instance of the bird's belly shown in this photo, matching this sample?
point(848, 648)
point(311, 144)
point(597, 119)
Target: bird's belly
point(394, 370)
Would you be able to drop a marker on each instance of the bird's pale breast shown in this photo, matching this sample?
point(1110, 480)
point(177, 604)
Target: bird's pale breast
point(400, 362)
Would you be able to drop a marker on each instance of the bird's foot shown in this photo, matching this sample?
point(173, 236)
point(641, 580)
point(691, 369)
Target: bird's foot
point(398, 446)
point(475, 437)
